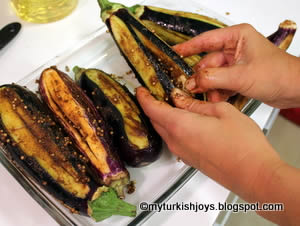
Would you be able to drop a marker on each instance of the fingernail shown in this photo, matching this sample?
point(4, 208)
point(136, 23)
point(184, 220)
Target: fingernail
point(199, 66)
point(190, 84)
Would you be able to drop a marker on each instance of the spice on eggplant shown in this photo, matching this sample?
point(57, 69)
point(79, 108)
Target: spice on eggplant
point(137, 141)
point(153, 61)
point(91, 134)
point(31, 137)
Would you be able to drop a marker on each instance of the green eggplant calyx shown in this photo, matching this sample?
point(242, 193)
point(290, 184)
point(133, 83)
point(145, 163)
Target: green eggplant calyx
point(133, 9)
point(119, 185)
point(105, 203)
point(107, 8)
point(78, 72)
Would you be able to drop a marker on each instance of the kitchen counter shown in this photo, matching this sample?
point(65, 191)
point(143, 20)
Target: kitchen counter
point(38, 43)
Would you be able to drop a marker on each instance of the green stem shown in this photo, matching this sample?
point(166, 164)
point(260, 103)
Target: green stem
point(134, 8)
point(105, 4)
point(107, 8)
point(78, 72)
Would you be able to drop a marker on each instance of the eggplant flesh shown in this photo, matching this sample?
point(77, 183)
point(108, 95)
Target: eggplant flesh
point(81, 120)
point(138, 143)
point(154, 62)
point(32, 138)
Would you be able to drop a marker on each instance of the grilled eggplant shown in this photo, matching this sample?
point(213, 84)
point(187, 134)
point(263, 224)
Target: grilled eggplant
point(175, 27)
point(184, 24)
point(81, 120)
point(172, 38)
point(31, 138)
point(284, 34)
point(138, 143)
point(153, 61)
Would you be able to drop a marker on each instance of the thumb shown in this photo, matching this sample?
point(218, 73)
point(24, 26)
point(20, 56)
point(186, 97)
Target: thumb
point(228, 78)
point(186, 102)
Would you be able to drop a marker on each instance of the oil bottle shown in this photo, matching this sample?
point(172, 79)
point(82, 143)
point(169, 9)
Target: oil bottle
point(43, 11)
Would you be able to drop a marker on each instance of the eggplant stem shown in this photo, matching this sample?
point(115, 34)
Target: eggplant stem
point(119, 186)
point(77, 72)
point(105, 4)
point(107, 8)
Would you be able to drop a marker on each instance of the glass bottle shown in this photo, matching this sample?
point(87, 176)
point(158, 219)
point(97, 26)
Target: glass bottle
point(43, 11)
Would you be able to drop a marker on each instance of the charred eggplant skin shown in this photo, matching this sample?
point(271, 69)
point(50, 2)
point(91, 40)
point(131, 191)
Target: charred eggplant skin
point(91, 134)
point(182, 22)
point(139, 124)
point(66, 155)
point(131, 20)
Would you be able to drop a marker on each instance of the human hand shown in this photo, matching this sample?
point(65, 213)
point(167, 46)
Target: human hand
point(242, 60)
point(214, 138)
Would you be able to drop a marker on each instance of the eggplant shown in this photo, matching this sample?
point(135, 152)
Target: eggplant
point(184, 23)
point(153, 61)
point(284, 34)
point(137, 141)
point(175, 27)
point(172, 38)
point(89, 131)
point(281, 38)
point(38, 146)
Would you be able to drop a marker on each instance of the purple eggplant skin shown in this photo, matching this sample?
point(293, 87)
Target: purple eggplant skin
point(182, 22)
point(284, 34)
point(91, 134)
point(107, 94)
point(45, 142)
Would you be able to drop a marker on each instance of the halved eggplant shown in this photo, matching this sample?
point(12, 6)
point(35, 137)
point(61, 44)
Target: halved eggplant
point(38, 145)
point(138, 143)
point(184, 23)
point(175, 27)
point(153, 61)
point(81, 120)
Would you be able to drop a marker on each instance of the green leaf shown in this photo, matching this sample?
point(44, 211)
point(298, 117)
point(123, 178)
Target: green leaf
point(108, 204)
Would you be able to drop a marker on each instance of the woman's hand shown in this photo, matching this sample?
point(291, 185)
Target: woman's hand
point(214, 138)
point(242, 60)
point(228, 147)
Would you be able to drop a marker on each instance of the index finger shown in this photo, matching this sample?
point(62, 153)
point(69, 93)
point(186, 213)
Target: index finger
point(158, 111)
point(214, 40)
